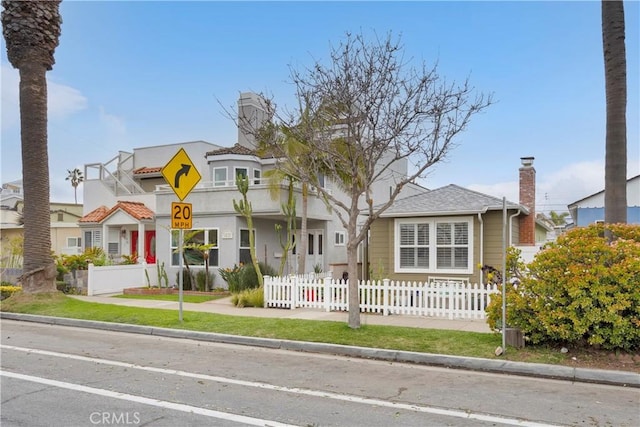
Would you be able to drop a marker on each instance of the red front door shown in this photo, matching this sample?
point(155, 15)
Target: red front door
point(149, 245)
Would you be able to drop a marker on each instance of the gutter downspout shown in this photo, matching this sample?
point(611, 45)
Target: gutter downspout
point(510, 226)
point(481, 246)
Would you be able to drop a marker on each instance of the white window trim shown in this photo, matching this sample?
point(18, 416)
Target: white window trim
point(224, 182)
point(258, 177)
point(340, 236)
point(432, 221)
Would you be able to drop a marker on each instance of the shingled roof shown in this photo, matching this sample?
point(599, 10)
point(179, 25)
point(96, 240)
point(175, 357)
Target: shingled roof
point(137, 210)
point(147, 170)
point(448, 200)
point(238, 150)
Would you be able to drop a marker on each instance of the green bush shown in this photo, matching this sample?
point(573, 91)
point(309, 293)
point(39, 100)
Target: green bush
point(7, 290)
point(580, 291)
point(187, 280)
point(249, 278)
point(201, 281)
point(249, 298)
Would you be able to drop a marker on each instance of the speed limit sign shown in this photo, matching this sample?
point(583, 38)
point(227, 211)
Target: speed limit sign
point(181, 215)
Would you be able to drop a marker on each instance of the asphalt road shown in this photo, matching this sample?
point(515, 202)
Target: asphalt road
point(63, 376)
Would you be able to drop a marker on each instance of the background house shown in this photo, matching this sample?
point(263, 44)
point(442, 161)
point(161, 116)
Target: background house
point(451, 232)
point(591, 208)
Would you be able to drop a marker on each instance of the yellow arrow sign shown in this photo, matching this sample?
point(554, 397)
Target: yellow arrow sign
point(181, 174)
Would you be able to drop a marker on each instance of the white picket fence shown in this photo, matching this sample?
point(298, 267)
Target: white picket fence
point(453, 300)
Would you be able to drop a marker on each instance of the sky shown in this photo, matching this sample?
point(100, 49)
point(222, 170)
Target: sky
point(131, 74)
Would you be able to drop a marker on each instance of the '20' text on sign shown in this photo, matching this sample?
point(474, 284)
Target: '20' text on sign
point(181, 216)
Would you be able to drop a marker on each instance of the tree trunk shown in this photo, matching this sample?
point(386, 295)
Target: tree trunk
point(39, 271)
point(352, 267)
point(615, 181)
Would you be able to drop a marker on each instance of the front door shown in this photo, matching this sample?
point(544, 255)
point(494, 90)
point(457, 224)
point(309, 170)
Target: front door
point(149, 245)
point(315, 251)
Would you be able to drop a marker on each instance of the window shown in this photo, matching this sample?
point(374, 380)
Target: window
point(92, 239)
point(60, 217)
point(220, 177)
point(310, 245)
point(339, 239)
point(203, 242)
point(257, 175)
point(245, 252)
point(240, 172)
point(414, 245)
point(434, 245)
point(113, 248)
point(74, 242)
point(452, 245)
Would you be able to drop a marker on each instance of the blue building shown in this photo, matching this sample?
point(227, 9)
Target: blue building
point(591, 209)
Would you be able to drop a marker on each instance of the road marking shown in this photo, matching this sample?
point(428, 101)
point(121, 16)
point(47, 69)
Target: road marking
point(306, 392)
point(147, 401)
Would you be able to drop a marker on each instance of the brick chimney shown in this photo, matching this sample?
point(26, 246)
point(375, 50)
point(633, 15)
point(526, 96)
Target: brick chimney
point(528, 199)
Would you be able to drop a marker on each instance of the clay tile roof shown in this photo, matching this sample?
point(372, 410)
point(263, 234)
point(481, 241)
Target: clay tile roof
point(236, 149)
point(144, 170)
point(136, 209)
point(95, 215)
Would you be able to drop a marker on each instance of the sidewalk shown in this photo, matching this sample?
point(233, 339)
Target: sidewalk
point(224, 306)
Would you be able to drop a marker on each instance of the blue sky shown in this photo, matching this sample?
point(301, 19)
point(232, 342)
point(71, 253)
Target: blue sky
point(138, 73)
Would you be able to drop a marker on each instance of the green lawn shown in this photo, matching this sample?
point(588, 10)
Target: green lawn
point(174, 297)
point(388, 337)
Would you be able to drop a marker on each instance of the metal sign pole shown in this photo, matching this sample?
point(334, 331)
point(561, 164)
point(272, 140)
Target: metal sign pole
point(181, 279)
point(504, 275)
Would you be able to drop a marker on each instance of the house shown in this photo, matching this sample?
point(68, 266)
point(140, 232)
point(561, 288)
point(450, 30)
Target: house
point(128, 207)
point(451, 232)
point(591, 208)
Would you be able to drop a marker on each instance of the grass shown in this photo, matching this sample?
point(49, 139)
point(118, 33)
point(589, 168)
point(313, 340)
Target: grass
point(458, 343)
point(174, 297)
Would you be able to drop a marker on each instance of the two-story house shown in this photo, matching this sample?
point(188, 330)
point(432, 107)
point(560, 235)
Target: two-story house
point(128, 206)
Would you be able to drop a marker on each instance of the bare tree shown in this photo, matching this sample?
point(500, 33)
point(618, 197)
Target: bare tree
point(32, 30)
point(359, 115)
point(615, 73)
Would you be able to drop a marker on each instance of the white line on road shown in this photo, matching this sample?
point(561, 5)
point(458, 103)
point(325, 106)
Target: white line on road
point(147, 401)
point(307, 392)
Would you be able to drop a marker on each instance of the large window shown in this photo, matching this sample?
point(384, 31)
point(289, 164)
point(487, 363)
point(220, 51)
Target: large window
point(204, 242)
point(434, 245)
point(240, 172)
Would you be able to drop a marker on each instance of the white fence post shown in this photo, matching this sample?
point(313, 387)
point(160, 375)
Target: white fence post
point(385, 297)
point(327, 294)
point(267, 291)
point(90, 279)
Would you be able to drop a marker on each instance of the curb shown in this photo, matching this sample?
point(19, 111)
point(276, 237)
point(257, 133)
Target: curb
point(566, 373)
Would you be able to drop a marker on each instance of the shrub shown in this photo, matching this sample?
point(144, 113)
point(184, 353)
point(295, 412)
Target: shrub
point(232, 277)
point(187, 280)
point(7, 290)
point(249, 277)
point(201, 280)
point(580, 291)
point(249, 298)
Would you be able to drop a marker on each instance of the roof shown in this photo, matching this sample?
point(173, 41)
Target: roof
point(448, 200)
point(137, 210)
point(238, 150)
point(147, 170)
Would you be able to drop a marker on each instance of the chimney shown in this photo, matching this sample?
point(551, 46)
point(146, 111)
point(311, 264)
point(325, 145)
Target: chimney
point(528, 199)
point(251, 115)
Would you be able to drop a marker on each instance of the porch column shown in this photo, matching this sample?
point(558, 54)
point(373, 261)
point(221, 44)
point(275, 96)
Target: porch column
point(142, 256)
point(105, 238)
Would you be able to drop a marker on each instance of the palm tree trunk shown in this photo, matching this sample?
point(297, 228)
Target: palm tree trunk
point(615, 181)
point(39, 271)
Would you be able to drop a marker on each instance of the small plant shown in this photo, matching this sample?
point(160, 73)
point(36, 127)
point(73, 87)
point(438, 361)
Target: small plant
point(162, 275)
point(203, 282)
point(317, 268)
point(129, 259)
point(187, 279)
point(249, 298)
point(232, 277)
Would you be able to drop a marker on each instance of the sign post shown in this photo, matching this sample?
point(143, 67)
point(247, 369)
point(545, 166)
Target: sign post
point(182, 176)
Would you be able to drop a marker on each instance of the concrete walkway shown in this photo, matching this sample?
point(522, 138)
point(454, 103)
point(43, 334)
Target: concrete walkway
point(224, 306)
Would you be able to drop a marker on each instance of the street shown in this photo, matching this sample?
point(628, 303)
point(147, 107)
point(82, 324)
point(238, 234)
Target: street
point(63, 376)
